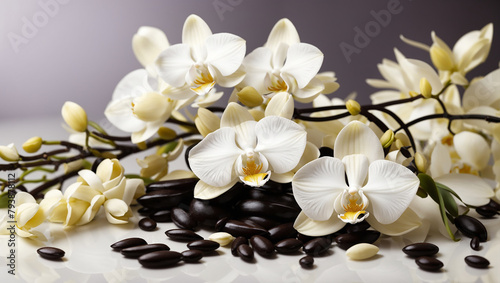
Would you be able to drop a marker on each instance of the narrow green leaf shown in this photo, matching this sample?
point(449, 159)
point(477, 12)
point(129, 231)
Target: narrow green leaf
point(449, 202)
point(422, 193)
point(4, 200)
point(427, 183)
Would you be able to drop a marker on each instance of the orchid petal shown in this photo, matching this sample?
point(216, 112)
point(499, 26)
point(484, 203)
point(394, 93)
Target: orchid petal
point(212, 160)
point(282, 177)
point(482, 124)
point(303, 63)
point(230, 80)
point(235, 114)
point(310, 227)
point(92, 209)
point(473, 149)
point(483, 92)
point(329, 82)
point(390, 189)
point(440, 161)
point(281, 141)
point(317, 185)
point(120, 114)
point(282, 105)
point(92, 179)
point(203, 190)
point(147, 44)
point(357, 138)
point(283, 32)
point(225, 52)
point(309, 92)
point(174, 63)
point(110, 171)
point(117, 211)
point(258, 64)
point(472, 189)
point(195, 33)
point(356, 168)
point(407, 222)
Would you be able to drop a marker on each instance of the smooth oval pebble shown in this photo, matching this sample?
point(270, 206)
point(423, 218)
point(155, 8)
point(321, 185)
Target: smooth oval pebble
point(192, 256)
point(475, 244)
point(421, 249)
point(282, 231)
point(316, 246)
point(306, 262)
point(287, 246)
point(223, 238)
point(429, 263)
point(238, 228)
point(470, 227)
point(161, 216)
point(362, 251)
point(203, 245)
point(494, 204)
point(245, 252)
point(262, 246)
point(137, 251)
point(147, 224)
point(159, 259)
point(127, 243)
point(182, 219)
point(477, 261)
point(50, 253)
point(345, 241)
point(358, 227)
point(236, 243)
point(183, 235)
point(486, 211)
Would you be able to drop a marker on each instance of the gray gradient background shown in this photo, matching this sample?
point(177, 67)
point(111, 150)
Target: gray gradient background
point(84, 48)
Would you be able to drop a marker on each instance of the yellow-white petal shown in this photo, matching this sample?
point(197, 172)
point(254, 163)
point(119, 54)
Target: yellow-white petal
point(203, 190)
point(147, 44)
point(225, 52)
point(483, 92)
point(283, 32)
point(390, 189)
point(357, 138)
point(356, 169)
point(117, 211)
point(195, 31)
point(303, 62)
point(440, 161)
point(212, 160)
point(281, 141)
point(282, 105)
point(473, 149)
point(174, 63)
point(317, 185)
point(407, 222)
point(310, 227)
point(472, 189)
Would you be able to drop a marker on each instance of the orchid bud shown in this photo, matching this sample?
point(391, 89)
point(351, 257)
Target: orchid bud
point(353, 107)
point(387, 138)
point(413, 93)
point(206, 122)
point(32, 145)
point(421, 162)
point(282, 105)
point(441, 59)
point(74, 115)
point(425, 88)
point(166, 133)
point(9, 152)
point(250, 97)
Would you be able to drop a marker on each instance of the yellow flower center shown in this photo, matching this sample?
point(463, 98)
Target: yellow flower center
point(203, 83)
point(447, 140)
point(277, 85)
point(353, 211)
point(464, 169)
point(252, 172)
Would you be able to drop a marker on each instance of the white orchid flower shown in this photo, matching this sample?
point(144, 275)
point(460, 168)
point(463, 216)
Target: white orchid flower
point(456, 163)
point(203, 59)
point(28, 214)
point(83, 203)
point(376, 187)
point(468, 52)
point(286, 65)
point(245, 150)
point(137, 108)
point(403, 77)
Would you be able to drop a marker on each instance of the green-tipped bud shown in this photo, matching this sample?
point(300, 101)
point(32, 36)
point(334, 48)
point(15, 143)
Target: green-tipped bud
point(441, 59)
point(425, 88)
point(32, 145)
point(250, 97)
point(421, 162)
point(167, 133)
point(353, 107)
point(74, 115)
point(387, 138)
point(9, 152)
